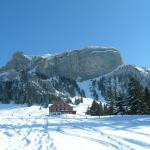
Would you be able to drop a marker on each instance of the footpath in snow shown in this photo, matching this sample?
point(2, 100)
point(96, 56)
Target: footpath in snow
point(28, 128)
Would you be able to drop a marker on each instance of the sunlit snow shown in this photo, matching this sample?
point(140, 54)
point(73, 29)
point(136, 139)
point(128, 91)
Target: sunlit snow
point(30, 128)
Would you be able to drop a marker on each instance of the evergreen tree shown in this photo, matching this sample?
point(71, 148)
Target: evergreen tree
point(23, 75)
point(77, 101)
point(146, 101)
point(110, 101)
point(119, 105)
point(101, 86)
point(95, 95)
point(81, 100)
point(82, 93)
point(135, 97)
point(95, 109)
point(101, 109)
point(88, 111)
point(105, 109)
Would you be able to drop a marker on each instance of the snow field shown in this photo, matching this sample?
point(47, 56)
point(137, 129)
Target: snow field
point(29, 128)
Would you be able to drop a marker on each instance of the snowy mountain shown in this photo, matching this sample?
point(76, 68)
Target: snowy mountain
point(84, 63)
point(44, 79)
point(41, 80)
point(119, 78)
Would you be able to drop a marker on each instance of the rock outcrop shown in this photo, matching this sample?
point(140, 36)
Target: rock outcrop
point(81, 64)
point(84, 64)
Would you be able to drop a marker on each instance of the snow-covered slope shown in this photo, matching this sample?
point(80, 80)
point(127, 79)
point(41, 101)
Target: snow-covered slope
point(90, 87)
point(28, 128)
point(118, 79)
point(130, 69)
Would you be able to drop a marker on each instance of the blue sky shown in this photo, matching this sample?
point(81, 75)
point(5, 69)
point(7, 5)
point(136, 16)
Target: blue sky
point(51, 26)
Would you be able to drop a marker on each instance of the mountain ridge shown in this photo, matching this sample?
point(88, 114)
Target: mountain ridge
point(84, 63)
point(23, 79)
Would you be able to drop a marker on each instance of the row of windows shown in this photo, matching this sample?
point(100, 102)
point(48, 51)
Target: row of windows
point(60, 109)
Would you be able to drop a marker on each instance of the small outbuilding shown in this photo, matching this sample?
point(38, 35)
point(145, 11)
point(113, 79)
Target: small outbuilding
point(61, 107)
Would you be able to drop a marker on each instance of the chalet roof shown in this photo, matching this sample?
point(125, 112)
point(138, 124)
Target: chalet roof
point(60, 102)
point(50, 105)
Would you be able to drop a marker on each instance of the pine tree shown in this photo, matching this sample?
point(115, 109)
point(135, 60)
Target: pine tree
point(135, 97)
point(95, 109)
point(119, 105)
point(95, 95)
point(101, 109)
point(101, 86)
point(105, 109)
point(77, 101)
point(146, 101)
point(82, 93)
point(110, 101)
point(81, 100)
point(23, 75)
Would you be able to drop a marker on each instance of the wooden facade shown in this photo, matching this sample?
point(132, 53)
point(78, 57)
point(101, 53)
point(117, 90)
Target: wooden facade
point(60, 107)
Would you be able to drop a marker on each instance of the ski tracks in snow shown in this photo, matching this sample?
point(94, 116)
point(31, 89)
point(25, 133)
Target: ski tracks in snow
point(41, 133)
point(33, 134)
point(90, 134)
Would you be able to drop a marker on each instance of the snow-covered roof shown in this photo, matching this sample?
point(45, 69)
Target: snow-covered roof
point(49, 105)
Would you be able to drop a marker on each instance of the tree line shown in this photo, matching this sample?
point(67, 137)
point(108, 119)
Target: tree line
point(135, 101)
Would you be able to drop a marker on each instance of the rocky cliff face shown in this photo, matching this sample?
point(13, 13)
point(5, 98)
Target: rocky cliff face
point(84, 64)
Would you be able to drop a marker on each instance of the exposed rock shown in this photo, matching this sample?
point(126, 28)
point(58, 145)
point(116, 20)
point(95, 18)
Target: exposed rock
point(81, 64)
point(18, 62)
point(85, 64)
